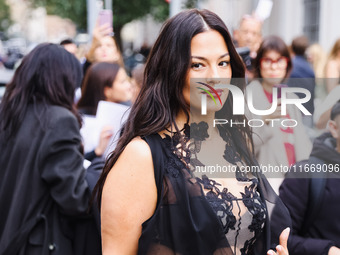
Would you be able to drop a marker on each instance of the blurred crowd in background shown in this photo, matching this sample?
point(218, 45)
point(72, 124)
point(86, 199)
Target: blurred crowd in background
point(113, 70)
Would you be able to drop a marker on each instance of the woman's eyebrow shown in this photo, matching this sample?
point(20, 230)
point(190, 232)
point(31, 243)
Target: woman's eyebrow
point(225, 55)
point(203, 58)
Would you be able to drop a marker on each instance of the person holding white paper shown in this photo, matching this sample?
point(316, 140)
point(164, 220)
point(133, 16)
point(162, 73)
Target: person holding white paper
point(103, 82)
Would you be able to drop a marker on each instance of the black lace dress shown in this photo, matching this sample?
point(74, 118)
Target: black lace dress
point(197, 214)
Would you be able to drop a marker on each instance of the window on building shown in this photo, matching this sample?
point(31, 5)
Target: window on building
point(312, 19)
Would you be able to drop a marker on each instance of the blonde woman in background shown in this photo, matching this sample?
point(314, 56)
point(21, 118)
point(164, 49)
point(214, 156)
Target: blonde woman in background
point(332, 70)
point(317, 57)
point(332, 75)
point(104, 47)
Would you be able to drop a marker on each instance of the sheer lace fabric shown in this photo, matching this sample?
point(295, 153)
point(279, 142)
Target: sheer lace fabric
point(197, 214)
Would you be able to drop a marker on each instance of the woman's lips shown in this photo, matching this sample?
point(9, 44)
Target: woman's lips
point(274, 76)
point(219, 92)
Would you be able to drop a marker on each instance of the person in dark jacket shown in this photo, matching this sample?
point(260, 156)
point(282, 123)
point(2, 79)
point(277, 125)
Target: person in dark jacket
point(302, 75)
point(320, 234)
point(43, 189)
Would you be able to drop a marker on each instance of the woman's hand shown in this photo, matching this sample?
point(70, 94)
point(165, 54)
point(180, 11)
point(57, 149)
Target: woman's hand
point(100, 31)
point(104, 138)
point(282, 247)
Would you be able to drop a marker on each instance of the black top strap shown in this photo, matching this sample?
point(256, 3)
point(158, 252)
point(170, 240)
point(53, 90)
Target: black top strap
point(155, 144)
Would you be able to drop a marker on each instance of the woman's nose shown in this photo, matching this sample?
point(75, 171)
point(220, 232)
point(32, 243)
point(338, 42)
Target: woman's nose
point(274, 65)
point(213, 76)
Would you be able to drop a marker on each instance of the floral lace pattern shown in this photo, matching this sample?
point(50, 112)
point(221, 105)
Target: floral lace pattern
point(220, 201)
point(225, 204)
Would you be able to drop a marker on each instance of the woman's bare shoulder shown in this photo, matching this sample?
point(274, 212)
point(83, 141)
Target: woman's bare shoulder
point(129, 198)
point(136, 159)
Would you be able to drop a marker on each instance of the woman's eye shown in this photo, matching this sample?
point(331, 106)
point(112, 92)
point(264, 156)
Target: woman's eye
point(224, 63)
point(196, 65)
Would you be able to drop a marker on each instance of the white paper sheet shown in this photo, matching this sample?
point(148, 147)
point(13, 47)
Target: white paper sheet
point(108, 114)
point(264, 9)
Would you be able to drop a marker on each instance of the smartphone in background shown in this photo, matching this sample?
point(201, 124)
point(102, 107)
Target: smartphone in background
point(105, 17)
point(279, 87)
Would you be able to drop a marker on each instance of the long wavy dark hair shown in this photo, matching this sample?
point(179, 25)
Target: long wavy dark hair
point(161, 97)
point(49, 75)
point(97, 77)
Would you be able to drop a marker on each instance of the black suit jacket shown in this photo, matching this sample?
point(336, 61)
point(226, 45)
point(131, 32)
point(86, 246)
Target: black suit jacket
point(42, 183)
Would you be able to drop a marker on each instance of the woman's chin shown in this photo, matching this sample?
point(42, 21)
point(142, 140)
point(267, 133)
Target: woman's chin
point(214, 108)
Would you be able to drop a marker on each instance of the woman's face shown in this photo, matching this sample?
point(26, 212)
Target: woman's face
point(210, 64)
point(273, 67)
point(106, 51)
point(121, 90)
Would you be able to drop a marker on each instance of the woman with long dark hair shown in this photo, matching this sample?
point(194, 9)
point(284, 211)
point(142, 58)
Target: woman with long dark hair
point(104, 81)
point(154, 199)
point(42, 179)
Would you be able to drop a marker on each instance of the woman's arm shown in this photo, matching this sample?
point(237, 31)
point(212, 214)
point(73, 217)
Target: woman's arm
point(129, 198)
point(99, 31)
point(62, 163)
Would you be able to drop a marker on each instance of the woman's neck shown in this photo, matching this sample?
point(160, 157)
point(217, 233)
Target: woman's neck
point(181, 120)
point(197, 117)
point(267, 86)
